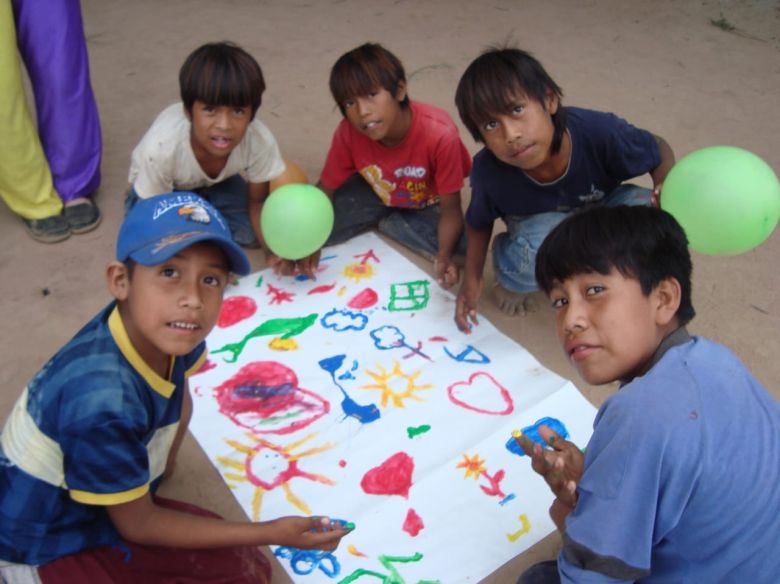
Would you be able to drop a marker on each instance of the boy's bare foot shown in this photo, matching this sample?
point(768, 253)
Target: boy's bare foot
point(514, 303)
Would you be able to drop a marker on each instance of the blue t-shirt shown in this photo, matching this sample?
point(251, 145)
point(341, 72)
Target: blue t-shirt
point(681, 477)
point(92, 428)
point(605, 151)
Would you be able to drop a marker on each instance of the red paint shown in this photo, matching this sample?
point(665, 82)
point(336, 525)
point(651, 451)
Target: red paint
point(265, 398)
point(438, 339)
point(392, 477)
point(363, 299)
point(321, 289)
point(278, 296)
point(235, 309)
point(342, 463)
point(413, 523)
point(369, 255)
point(207, 365)
point(472, 397)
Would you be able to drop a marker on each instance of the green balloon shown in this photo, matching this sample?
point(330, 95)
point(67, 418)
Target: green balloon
point(727, 199)
point(296, 220)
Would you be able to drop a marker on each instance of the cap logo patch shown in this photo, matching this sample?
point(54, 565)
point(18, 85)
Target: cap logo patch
point(173, 239)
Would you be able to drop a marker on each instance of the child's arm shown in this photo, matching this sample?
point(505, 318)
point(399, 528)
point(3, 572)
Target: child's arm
point(659, 173)
point(477, 241)
point(258, 193)
point(142, 522)
point(184, 422)
point(449, 229)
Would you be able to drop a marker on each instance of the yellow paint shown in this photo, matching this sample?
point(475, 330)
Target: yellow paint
point(384, 382)
point(280, 344)
point(526, 527)
point(516, 433)
point(358, 271)
point(474, 466)
point(355, 552)
point(341, 291)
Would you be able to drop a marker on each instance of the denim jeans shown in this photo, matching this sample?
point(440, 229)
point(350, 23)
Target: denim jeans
point(357, 208)
point(514, 252)
point(541, 573)
point(229, 197)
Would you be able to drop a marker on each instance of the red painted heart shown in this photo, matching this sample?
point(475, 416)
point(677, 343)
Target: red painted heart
point(483, 394)
point(392, 477)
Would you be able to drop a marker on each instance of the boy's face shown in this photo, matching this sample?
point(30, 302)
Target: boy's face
point(607, 327)
point(169, 309)
point(378, 115)
point(217, 129)
point(522, 136)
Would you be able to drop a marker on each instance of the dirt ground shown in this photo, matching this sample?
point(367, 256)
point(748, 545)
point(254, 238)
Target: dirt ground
point(697, 73)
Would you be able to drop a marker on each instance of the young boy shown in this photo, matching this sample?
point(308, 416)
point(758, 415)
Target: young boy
point(678, 480)
point(541, 161)
point(211, 142)
point(88, 442)
point(394, 164)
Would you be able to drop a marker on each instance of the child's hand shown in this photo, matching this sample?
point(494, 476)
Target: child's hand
point(445, 272)
point(280, 267)
point(559, 511)
point(308, 265)
point(308, 533)
point(466, 305)
point(561, 465)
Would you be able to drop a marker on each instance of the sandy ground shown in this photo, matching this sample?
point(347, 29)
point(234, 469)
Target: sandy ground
point(664, 65)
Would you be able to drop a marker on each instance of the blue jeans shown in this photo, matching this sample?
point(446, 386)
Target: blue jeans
point(229, 197)
point(541, 573)
point(514, 252)
point(357, 208)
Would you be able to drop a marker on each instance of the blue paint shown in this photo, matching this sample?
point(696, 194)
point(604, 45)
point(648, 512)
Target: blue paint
point(363, 414)
point(263, 391)
point(532, 432)
point(506, 499)
point(304, 562)
point(469, 355)
point(344, 320)
point(390, 337)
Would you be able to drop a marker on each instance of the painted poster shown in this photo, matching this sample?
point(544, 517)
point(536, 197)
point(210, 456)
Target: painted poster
point(356, 397)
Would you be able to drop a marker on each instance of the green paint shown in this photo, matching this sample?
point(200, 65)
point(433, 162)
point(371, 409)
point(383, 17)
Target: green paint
point(284, 327)
point(349, 525)
point(409, 295)
point(551, 440)
point(393, 577)
point(418, 430)
point(259, 282)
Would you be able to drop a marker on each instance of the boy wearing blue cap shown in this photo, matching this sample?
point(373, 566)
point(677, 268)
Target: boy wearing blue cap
point(95, 431)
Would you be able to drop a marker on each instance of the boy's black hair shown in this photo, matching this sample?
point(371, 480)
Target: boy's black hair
point(364, 69)
point(492, 82)
point(640, 242)
point(221, 74)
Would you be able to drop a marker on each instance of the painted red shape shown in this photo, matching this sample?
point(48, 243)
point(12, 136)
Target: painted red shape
point(438, 339)
point(321, 289)
point(207, 365)
point(235, 309)
point(482, 394)
point(363, 299)
point(342, 463)
point(392, 477)
point(413, 524)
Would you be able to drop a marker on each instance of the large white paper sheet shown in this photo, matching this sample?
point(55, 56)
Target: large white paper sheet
point(356, 397)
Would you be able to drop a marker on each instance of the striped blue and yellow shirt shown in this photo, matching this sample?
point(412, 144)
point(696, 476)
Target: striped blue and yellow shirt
point(92, 428)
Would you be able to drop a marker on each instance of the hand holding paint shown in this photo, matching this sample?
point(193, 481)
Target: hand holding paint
point(560, 465)
point(309, 533)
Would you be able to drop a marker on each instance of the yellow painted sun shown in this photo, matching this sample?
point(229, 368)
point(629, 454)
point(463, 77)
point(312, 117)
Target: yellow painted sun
point(266, 466)
point(358, 271)
point(474, 466)
point(396, 385)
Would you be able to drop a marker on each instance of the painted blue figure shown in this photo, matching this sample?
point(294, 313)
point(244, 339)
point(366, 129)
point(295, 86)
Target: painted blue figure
point(304, 562)
point(469, 355)
point(390, 337)
point(363, 414)
point(344, 320)
point(532, 432)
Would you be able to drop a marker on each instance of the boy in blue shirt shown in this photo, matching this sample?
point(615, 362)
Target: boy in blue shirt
point(540, 162)
point(678, 483)
point(212, 143)
point(88, 442)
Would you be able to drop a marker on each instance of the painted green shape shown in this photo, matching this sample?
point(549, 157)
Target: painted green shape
point(284, 327)
point(409, 295)
point(393, 577)
point(259, 282)
point(349, 525)
point(418, 430)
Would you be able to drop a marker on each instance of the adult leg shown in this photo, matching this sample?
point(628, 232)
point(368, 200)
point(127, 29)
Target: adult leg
point(230, 199)
point(514, 259)
point(25, 180)
point(541, 573)
point(356, 208)
point(52, 44)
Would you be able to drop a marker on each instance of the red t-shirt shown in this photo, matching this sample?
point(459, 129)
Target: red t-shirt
point(430, 161)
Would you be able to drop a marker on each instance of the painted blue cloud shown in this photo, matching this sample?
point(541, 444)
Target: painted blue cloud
point(344, 320)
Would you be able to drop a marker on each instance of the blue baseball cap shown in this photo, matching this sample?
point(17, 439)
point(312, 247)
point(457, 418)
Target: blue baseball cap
point(158, 228)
